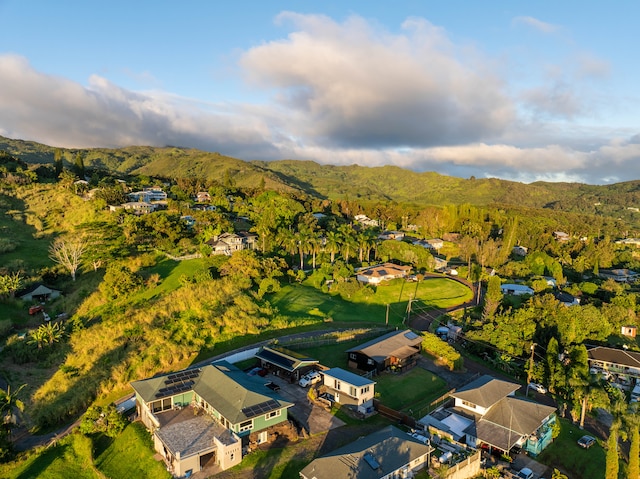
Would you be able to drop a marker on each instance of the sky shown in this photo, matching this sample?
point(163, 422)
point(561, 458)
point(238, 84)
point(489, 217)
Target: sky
point(519, 90)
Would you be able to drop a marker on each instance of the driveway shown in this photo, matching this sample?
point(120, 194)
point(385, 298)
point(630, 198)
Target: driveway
point(313, 418)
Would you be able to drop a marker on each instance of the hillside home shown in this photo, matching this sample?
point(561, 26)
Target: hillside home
point(515, 289)
point(38, 292)
point(566, 298)
point(621, 275)
point(520, 250)
point(388, 453)
point(398, 351)
point(364, 220)
point(486, 411)
point(391, 235)
point(139, 207)
point(561, 236)
point(203, 197)
point(616, 361)
point(630, 241)
point(382, 272)
point(629, 331)
point(148, 195)
point(204, 417)
point(344, 387)
point(228, 243)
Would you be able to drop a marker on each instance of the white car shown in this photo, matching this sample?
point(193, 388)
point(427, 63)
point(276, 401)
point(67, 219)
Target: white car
point(309, 379)
point(538, 387)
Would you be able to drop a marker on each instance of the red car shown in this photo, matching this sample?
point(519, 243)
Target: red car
point(36, 309)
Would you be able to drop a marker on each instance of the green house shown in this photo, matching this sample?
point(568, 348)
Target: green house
point(204, 416)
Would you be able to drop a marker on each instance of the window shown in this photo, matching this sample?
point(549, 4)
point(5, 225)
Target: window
point(162, 405)
point(353, 391)
point(469, 404)
point(370, 361)
point(352, 356)
point(246, 426)
point(262, 437)
point(337, 385)
point(364, 390)
point(272, 414)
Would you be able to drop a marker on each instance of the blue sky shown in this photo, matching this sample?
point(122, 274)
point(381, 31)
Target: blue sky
point(518, 90)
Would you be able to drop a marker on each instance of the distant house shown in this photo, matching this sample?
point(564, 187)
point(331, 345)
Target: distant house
point(486, 412)
point(382, 272)
point(440, 264)
point(364, 220)
point(349, 389)
point(631, 241)
point(621, 275)
point(629, 331)
point(520, 250)
point(515, 289)
point(388, 453)
point(139, 207)
point(398, 350)
point(207, 416)
point(391, 235)
point(203, 197)
point(566, 298)
point(228, 243)
point(38, 292)
point(561, 236)
point(284, 362)
point(148, 195)
point(189, 220)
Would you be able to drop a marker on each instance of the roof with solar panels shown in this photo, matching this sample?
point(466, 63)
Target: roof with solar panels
point(233, 393)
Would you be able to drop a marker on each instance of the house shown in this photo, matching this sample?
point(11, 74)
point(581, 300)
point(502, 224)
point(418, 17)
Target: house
point(566, 298)
point(515, 289)
point(147, 195)
point(382, 272)
point(629, 331)
point(561, 236)
point(344, 387)
point(388, 453)
point(519, 250)
point(631, 241)
point(189, 220)
point(286, 363)
point(38, 292)
point(615, 361)
point(621, 275)
point(433, 244)
point(397, 350)
point(487, 412)
point(440, 264)
point(208, 416)
point(203, 197)
point(391, 235)
point(228, 243)
point(139, 207)
point(364, 220)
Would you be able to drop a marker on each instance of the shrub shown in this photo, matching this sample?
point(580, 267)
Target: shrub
point(442, 350)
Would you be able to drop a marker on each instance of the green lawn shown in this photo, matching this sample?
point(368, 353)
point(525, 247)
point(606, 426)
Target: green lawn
point(331, 355)
point(306, 301)
point(565, 454)
point(79, 457)
point(414, 390)
point(170, 272)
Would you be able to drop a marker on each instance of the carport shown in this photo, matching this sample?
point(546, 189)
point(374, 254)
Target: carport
point(285, 363)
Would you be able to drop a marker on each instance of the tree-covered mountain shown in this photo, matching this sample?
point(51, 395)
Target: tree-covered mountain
point(386, 183)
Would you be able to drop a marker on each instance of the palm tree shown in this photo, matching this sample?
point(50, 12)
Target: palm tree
point(348, 241)
point(365, 243)
point(9, 402)
point(288, 241)
point(303, 238)
point(332, 244)
point(314, 246)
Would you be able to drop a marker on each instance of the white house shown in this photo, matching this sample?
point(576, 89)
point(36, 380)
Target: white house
point(349, 389)
point(382, 272)
point(515, 289)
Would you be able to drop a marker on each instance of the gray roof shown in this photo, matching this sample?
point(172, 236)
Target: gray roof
point(231, 391)
point(615, 356)
point(389, 448)
point(485, 391)
point(348, 377)
point(509, 420)
point(285, 358)
point(193, 436)
point(391, 344)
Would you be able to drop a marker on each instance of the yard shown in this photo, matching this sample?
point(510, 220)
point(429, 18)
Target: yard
point(565, 454)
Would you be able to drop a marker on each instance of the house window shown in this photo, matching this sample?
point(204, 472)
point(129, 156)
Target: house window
point(337, 385)
point(162, 405)
point(370, 362)
point(469, 405)
point(353, 391)
point(364, 390)
point(352, 356)
point(246, 426)
point(272, 414)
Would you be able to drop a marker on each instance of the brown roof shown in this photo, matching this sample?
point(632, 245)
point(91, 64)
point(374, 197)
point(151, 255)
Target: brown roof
point(388, 345)
point(615, 356)
point(486, 391)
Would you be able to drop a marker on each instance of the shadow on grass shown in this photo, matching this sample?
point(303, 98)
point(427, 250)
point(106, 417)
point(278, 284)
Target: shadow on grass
point(43, 462)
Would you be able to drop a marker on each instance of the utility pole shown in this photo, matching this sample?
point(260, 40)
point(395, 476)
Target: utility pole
point(386, 320)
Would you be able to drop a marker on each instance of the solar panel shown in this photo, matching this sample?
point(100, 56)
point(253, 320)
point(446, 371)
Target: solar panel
point(182, 376)
point(175, 388)
point(262, 408)
point(410, 335)
point(369, 459)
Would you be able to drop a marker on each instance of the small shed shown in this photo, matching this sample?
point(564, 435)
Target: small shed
point(629, 331)
point(38, 292)
point(286, 363)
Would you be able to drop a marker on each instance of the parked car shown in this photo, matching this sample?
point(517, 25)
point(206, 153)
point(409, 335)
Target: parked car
point(538, 387)
point(586, 441)
point(525, 473)
point(273, 386)
point(310, 379)
point(36, 309)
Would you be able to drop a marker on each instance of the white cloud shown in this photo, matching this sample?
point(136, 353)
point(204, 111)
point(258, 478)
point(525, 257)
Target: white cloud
point(536, 24)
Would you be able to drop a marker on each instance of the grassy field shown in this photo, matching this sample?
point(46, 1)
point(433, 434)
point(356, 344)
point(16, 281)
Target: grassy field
point(78, 456)
point(565, 454)
point(413, 390)
point(307, 301)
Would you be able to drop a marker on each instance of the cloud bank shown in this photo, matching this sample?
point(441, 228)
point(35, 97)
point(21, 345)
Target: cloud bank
point(345, 93)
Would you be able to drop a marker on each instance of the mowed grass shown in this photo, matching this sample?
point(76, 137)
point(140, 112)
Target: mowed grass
point(306, 301)
point(565, 454)
point(128, 455)
point(171, 273)
point(414, 389)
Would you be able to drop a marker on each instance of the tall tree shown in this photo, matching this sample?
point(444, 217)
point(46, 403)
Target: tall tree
point(57, 161)
point(332, 244)
point(634, 450)
point(612, 465)
point(79, 165)
point(68, 253)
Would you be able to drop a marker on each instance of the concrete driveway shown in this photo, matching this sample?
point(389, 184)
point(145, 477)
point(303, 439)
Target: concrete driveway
point(313, 418)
